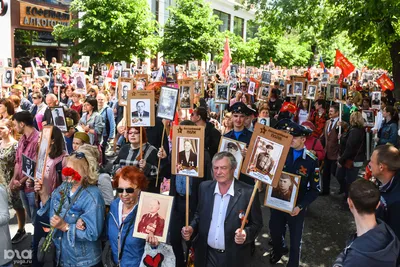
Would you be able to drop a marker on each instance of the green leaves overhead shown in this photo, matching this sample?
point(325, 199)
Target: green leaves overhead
point(191, 32)
point(111, 30)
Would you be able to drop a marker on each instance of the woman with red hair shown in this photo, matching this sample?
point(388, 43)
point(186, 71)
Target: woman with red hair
point(126, 250)
point(6, 108)
point(143, 157)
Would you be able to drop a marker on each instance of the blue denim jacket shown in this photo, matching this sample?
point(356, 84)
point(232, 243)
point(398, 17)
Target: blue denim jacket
point(134, 247)
point(76, 247)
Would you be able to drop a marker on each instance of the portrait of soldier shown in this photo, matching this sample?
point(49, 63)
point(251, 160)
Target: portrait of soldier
point(264, 161)
point(152, 221)
point(284, 189)
point(187, 158)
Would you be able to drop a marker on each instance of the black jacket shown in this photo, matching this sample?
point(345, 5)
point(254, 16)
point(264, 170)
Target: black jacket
point(379, 247)
point(352, 145)
point(212, 138)
point(236, 255)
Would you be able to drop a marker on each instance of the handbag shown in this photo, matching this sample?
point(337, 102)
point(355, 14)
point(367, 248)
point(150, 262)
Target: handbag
point(50, 255)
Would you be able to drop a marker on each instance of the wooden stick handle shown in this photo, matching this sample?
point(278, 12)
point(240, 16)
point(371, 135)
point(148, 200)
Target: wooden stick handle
point(141, 144)
point(159, 159)
point(250, 203)
point(187, 202)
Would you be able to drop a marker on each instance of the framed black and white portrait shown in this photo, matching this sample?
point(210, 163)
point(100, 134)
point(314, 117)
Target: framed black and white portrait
point(124, 86)
point(298, 88)
point(185, 99)
point(80, 83)
point(264, 91)
point(58, 80)
point(28, 167)
point(222, 93)
point(8, 77)
point(369, 118)
point(167, 103)
point(44, 147)
point(289, 89)
point(325, 78)
point(125, 74)
point(193, 68)
point(376, 100)
point(284, 196)
point(312, 91)
point(266, 77)
point(85, 63)
point(57, 113)
point(198, 87)
point(188, 149)
point(212, 69)
point(233, 86)
point(252, 88)
point(141, 108)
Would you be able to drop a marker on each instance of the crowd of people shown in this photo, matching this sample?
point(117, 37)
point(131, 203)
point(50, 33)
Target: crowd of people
point(107, 165)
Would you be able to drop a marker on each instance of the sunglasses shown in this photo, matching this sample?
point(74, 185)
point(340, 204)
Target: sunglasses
point(79, 155)
point(128, 190)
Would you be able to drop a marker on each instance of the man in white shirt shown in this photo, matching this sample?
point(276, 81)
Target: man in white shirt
point(217, 221)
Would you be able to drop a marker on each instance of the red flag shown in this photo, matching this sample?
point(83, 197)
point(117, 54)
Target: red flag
point(385, 83)
point(110, 72)
point(344, 64)
point(226, 61)
point(309, 74)
point(287, 106)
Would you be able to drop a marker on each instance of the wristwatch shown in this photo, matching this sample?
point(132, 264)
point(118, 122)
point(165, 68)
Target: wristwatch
point(67, 228)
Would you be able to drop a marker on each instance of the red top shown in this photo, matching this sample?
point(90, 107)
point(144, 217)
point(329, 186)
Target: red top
point(77, 108)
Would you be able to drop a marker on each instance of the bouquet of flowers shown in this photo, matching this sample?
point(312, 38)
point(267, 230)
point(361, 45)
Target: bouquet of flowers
point(64, 192)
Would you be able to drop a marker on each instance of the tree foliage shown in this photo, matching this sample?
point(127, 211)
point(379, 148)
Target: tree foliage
point(111, 29)
point(191, 32)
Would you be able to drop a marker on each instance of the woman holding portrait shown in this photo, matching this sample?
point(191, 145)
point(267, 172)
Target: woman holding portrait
point(127, 250)
point(80, 222)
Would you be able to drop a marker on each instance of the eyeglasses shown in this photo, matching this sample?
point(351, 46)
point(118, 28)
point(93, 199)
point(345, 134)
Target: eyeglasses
point(128, 190)
point(79, 155)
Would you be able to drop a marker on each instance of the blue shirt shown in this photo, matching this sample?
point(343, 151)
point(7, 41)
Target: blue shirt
point(180, 183)
point(297, 153)
point(237, 134)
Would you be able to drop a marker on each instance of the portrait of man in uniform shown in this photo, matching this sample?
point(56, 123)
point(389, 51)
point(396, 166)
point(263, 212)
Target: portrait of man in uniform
point(187, 157)
point(167, 103)
point(298, 88)
point(152, 221)
point(222, 93)
point(284, 189)
point(235, 148)
point(376, 100)
point(140, 110)
point(212, 69)
point(265, 162)
point(28, 166)
point(58, 118)
point(185, 97)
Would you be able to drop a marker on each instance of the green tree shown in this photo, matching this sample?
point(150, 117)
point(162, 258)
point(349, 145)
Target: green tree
point(372, 26)
point(191, 32)
point(111, 29)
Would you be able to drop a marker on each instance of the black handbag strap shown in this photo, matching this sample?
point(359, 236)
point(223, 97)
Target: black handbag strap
point(123, 241)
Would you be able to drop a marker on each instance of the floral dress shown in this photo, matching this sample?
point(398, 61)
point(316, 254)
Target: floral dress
point(7, 165)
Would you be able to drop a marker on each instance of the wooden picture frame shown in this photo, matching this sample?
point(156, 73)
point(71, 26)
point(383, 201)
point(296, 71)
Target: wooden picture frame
point(312, 90)
point(188, 150)
point(266, 154)
point(264, 92)
point(193, 67)
point(186, 95)
point(125, 73)
point(235, 148)
point(141, 108)
point(198, 88)
point(145, 215)
point(124, 86)
point(43, 152)
point(298, 86)
point(266, 77)
point(222, 93)
point(336, 92)
point(289, 88)
point(80, 83)
point(284, 196)
point(376, 100)
point(8, 77)
point(58, 116)
point(167, 103)
point(343, 94)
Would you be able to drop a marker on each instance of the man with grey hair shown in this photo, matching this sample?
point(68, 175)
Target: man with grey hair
point(219, 215)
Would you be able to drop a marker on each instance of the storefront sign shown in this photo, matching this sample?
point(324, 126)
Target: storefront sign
point(42, 17)
point(3, 7)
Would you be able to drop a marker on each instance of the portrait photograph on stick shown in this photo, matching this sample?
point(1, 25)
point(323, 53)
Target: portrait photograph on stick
point(58, 116)
point(289, 88)
point(369, 117)
point(266, 154)
point(124, 86)
point(198, 88)
point(141, 108)
point(188, 150)
point(44, 149)
point(153, 216)
point(80, 83)
point(264, 91)
point(235, 148)
point(222, 93)
point(28, 167)
point(252, 88)
point(168, 101)
point(186, 93)
point(284, 196)
point(266, 77)
point(85, 63)
point(8, 77)
point(298, 87)
point(312, 91)
point(376, 100)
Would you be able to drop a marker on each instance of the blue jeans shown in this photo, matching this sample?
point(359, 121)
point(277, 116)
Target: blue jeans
point(28, 200)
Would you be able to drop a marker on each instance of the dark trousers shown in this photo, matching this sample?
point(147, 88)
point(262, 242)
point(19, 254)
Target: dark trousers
point(329, 169)
point(103, 150)
point(277, 225)
point(215, 258)
point(347, 177)
point(38, 233)
point(177, 222)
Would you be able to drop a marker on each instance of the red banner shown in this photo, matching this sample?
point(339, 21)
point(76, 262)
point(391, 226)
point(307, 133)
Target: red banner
point(385, 83)
point(226, 61)
point(344, 64)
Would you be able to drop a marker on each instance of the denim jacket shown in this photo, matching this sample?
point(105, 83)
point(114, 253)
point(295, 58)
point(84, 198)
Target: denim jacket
point(134, 247)
point(76, 247)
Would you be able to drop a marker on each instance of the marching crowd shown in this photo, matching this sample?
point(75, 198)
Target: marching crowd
point(101, 205)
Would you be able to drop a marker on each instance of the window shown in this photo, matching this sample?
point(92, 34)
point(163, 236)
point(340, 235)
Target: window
point(226, 20)
point(154, 8)
point(238, 26)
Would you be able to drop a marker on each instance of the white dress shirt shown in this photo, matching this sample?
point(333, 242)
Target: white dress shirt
point(216, 234)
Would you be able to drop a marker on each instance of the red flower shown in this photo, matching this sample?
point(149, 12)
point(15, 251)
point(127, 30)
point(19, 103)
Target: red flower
point(67, 171)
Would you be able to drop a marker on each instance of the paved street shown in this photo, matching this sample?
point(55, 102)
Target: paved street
point(327, 226)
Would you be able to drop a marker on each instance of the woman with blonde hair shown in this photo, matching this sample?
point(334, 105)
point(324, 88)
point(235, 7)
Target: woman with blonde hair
point(227, 123)
point(79, 224)
point(352, 152)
